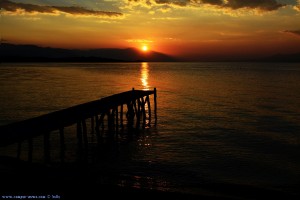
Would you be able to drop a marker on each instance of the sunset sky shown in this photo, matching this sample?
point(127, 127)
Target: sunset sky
point(184, 28)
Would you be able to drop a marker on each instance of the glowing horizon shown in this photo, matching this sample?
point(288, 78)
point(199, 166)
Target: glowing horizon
point(186, 28)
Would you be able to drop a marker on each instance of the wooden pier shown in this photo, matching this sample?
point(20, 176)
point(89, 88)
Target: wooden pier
point(131, 108)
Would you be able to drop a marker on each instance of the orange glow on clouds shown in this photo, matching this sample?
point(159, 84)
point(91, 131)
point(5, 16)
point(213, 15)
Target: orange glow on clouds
point(184, 29)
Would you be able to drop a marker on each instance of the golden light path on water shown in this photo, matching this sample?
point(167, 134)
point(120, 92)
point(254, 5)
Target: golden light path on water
point(145, 75)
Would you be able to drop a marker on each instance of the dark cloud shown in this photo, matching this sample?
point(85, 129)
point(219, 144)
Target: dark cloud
point(213, 2)
point(175, 2)
point(31, 8)
point(294, 32)
point(266, 5)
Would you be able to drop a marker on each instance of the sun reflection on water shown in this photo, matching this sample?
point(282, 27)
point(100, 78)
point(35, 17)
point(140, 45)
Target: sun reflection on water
point(145, 75)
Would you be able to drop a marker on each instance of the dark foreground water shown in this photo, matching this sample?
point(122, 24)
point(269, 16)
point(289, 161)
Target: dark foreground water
point(236, 123)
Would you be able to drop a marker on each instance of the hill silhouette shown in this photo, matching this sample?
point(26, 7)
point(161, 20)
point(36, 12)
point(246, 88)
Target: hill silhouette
point(33, 53)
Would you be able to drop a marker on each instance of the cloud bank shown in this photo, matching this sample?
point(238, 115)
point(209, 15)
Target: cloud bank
point(267, 5)
point(73, 10)
point(264, 5)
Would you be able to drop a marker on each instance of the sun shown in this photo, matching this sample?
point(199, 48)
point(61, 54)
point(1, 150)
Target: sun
point(145, 48)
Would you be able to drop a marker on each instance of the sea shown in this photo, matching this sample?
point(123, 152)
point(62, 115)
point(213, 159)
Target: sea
point(217, 122)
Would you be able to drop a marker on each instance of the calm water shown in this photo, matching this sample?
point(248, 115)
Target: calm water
point(217, 122)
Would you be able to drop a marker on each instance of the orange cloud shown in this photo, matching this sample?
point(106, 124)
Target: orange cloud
point(73, 10)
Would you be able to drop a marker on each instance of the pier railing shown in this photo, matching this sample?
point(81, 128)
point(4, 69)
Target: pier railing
point(108, 111)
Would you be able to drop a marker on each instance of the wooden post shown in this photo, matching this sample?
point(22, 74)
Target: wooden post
point(138, 113)
point(62, 144)
point(149, 108)
point(79, 136)
point(143, 103)
point(97, 129)
point(47, 147)
point(109, 120)
point(135, 112)
point(84, 133)
point(101, 121)
point(121, 116)
point(130, 114)
point(117, 121)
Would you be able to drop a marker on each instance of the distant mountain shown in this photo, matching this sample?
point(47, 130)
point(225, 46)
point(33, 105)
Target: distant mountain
point(33, 53)
point(281, 58)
